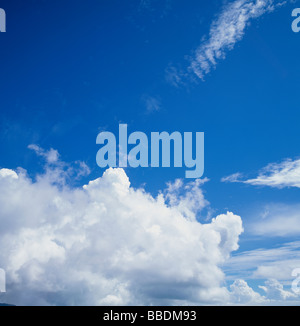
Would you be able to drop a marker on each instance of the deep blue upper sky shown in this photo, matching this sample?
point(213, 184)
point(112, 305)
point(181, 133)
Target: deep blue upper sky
point(70, 69)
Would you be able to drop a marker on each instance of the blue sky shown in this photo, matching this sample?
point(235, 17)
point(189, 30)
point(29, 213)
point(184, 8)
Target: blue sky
point(71, 69)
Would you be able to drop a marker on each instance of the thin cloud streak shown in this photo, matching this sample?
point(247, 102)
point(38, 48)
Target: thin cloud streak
point(276, 175)
point(228, 29)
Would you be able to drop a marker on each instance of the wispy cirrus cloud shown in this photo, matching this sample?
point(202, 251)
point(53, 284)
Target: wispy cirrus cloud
point(276, 265)
point(225, 31)
point(276, 175)
point(228, 29)
point(56, 170)
point(277, 220)
point(51, 156)
point(265, 263)
point(152, 104)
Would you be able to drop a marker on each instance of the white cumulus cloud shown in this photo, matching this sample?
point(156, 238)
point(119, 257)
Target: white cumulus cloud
point(108, 243)
point(276, 291)
point(243, 294)
point(273, 294)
